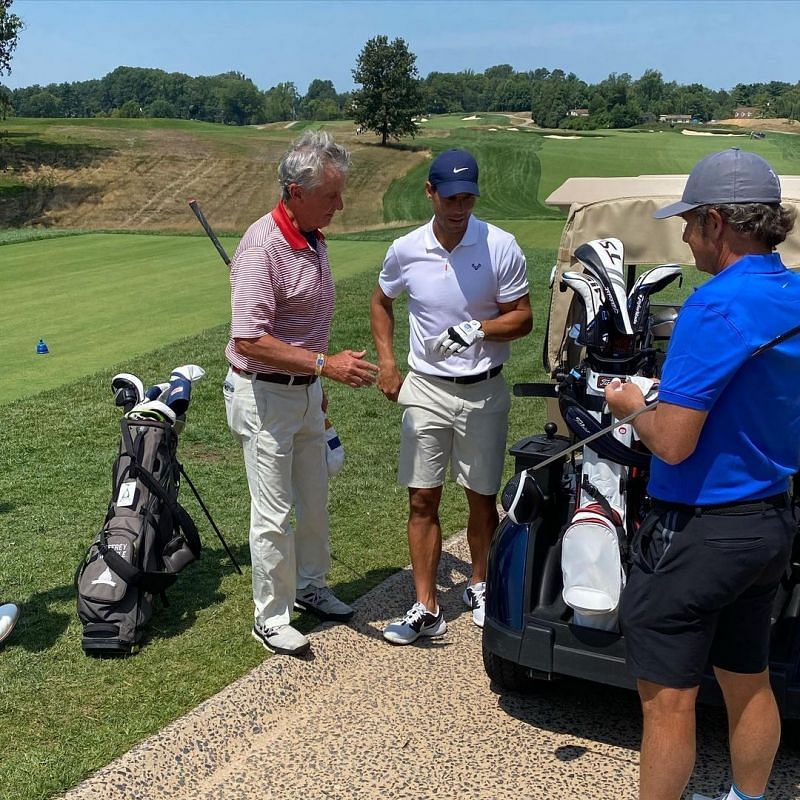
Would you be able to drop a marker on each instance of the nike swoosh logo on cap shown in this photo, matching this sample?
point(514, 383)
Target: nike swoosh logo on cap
point(460, 169)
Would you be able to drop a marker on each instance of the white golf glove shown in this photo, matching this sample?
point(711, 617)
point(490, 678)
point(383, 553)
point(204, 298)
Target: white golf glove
point(334, 451)
point(458, 338)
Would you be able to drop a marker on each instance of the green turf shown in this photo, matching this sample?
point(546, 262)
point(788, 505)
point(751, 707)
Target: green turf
point(63, 715)
point(509, 178)
point(622, 153)
point(103, 298)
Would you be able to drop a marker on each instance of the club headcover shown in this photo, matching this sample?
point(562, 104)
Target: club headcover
point(522, 498)
point(155, 391)
point(152, 409)
point(178, 395)
point(604, 258)
point(334, 450)
point(128, 390)
point(191, 372)
point(648, 283)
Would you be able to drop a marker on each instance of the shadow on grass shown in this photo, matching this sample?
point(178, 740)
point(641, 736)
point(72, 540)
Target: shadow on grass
point(197, 588)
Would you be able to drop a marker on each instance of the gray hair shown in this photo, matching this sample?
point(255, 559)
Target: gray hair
point(767, 223)
point(308, 157)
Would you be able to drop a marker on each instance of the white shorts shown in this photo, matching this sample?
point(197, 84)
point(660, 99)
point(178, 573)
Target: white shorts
point(463, 424)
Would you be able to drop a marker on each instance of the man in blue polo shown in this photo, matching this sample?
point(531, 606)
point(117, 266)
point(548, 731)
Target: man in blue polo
point(467, 289)
point(726, 441)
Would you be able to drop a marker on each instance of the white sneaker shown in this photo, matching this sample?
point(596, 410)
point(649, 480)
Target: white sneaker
point(417, 622)
point(9, 614)
point(475, 598)
point(322, 603)
point(282, 639)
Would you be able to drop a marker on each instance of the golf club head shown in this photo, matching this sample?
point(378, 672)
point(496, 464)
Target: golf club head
point(662, 324)
point(522, 498)
point(155, 391)
point(128, 390)
point(178, 395)
point(604, 258)
point(152, 409)
point(190, 372)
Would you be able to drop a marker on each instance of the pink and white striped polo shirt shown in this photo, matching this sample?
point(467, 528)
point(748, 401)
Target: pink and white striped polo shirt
point(280, 286)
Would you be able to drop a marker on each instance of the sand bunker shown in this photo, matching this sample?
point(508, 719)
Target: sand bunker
point(708, 133)
point(289, 125)
point(556, 136)
point(472, 117)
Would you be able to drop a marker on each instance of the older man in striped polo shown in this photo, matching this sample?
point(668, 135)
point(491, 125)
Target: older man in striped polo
point(282, 300)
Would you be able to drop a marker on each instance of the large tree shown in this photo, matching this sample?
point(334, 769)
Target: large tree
point(390, 94)
point(10, 26)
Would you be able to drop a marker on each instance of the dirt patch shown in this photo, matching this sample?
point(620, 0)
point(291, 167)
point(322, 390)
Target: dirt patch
point(778, 124)
point(147, 179)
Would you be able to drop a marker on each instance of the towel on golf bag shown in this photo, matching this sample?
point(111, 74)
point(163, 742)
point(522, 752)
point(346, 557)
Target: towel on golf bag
point(146, 539)
point(592, 566)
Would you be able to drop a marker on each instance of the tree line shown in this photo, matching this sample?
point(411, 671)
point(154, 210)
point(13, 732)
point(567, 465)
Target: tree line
point(392, 93)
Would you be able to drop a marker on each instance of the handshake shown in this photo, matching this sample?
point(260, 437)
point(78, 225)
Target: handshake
point(457, 338)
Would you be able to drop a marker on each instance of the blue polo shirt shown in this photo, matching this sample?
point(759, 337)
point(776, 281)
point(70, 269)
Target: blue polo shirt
point(750, 442)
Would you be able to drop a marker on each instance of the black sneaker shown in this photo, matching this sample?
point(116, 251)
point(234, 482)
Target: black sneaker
point(417, 622)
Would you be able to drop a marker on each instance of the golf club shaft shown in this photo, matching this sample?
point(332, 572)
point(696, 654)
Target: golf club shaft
point(577, 445)
point(201, 218)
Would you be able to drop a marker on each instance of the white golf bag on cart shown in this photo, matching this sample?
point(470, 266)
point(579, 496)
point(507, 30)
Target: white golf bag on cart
point(615, 333)
point(611, 472)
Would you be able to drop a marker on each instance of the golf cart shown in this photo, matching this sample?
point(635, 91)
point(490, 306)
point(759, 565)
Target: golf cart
point(556, 570)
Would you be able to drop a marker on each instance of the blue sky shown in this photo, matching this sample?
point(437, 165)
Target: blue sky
point(718, 43)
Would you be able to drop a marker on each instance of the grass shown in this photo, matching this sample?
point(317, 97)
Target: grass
point(669, 152)
point(102, 298)
point(64, 715)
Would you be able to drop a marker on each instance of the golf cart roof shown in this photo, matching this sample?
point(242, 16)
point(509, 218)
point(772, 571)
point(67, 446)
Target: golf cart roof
point(623, 208)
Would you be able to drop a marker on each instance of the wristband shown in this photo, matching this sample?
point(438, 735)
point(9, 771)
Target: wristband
point(319, 364)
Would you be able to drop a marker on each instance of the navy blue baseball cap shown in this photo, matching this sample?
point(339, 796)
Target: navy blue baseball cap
point(454, 172)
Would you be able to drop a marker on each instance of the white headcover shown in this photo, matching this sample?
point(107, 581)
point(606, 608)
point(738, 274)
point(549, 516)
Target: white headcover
point(588, 288)
point(604, 258)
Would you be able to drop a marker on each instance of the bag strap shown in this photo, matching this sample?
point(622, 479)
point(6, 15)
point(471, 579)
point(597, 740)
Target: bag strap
point(153, 582)
point(182, 518)
point(613, 516)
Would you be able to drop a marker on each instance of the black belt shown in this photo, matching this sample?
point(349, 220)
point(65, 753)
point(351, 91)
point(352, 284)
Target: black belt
point(777, 501)
point(462, 379)
point(278, 377)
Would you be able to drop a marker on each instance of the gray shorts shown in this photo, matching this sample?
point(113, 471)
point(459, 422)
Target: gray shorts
point(465, 425)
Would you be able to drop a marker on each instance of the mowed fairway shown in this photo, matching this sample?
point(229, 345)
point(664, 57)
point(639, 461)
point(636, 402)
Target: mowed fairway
point(100, 299)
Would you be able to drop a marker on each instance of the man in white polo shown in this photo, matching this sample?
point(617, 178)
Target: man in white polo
point(467, 289)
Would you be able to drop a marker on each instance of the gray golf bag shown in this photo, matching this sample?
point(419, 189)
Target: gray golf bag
point(147, 538)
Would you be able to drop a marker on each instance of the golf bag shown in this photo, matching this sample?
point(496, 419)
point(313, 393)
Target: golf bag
point(147, 538)
point(608, 489)
point(616, 335)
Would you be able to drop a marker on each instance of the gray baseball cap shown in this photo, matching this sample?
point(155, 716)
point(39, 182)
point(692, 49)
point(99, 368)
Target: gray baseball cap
point(732, 176)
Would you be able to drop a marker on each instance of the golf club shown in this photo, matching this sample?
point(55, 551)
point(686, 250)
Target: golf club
point(201, 218)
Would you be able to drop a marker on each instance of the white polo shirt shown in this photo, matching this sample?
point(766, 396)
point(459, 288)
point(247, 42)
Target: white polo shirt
point(444, 288)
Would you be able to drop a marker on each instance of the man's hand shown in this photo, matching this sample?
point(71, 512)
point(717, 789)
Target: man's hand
point(350, 368)
point(623, 398)
point(458, 338)
point(389, 381)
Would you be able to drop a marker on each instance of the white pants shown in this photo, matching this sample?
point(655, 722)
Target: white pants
point(282, 431)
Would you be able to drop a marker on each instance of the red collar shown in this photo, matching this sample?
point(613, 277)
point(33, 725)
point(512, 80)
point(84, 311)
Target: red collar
point(289, 229)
